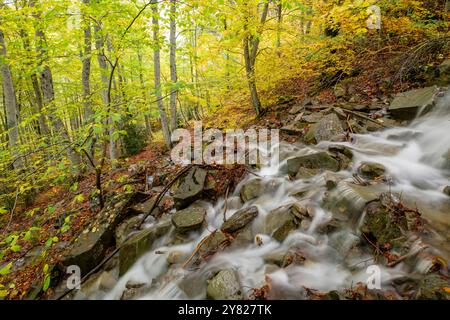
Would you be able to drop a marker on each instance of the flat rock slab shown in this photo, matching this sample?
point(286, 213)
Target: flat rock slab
point(407, 105)
point(189, 219)
point(313, 163)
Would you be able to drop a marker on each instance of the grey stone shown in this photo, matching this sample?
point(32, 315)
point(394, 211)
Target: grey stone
point(312, 164)
point(240, 219)
point(407, 105)
point(252, 189)
point(189, 219)
point(224, 286)
point(371, 170)
point(327, 128)
point(139, 244)
point(190, 188)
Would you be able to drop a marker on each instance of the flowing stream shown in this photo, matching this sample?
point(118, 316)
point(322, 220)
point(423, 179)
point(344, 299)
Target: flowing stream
point(414, 157)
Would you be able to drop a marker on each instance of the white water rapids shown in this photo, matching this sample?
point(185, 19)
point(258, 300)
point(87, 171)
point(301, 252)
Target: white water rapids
point(414, 159)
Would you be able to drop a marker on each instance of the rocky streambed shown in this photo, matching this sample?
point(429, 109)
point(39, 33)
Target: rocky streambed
point(358, 208)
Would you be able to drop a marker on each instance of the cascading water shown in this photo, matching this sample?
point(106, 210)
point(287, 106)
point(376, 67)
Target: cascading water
point(414, 158)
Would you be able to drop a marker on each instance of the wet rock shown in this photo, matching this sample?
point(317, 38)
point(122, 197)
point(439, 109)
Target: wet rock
point(447, 190)
point(371, 170)
point(340, 149)
point(214, 243)
point(134, 290)
point(386, 225)
point(331, 181)
point(125, 228)
point(89, 248)
point(344, 241)
point(102, 281)
point(433, 287)
point(189, 219)
point(280, 222)
point(190, 188)
point(348, 200)
point(342, 154)
point(240, 219)
point(407, 105)
point(447, 160)
point(139, 244)
point(327, 128)
point(293, 257)
point(252, 189)
point(306, 166)
point(224, 286)
point(175, 257)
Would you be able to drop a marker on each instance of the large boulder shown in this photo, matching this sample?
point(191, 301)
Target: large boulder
point(407, 105)
point(139, 244)
point(89, 248)
point(310, 165)
point(224, 285)
point(240, 219)
point(252, 189)
point(189, 219)
point(328, 127)
point(190, 187)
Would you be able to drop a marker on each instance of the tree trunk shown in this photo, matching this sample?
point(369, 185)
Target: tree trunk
point(157, 74)
point(173, 65)
point(148, 127)
point(100, 45)
point(85, 79)
point(279, 23)
point(48, 95)
point(10, 106)
point(86, 70)
point(251, 45)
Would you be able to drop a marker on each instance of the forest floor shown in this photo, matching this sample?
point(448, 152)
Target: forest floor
point(50, 208)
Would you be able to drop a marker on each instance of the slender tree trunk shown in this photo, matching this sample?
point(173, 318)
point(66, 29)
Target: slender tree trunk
point(85, 80)
point(148, 127)
point(43, 127)
point(86, 70)
point(251, 45)
point(48, 95)
point(100, 46)
point(11, 110)
point(173, 65)
point(157, 74)
point(227, 59)
point(279, 23)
